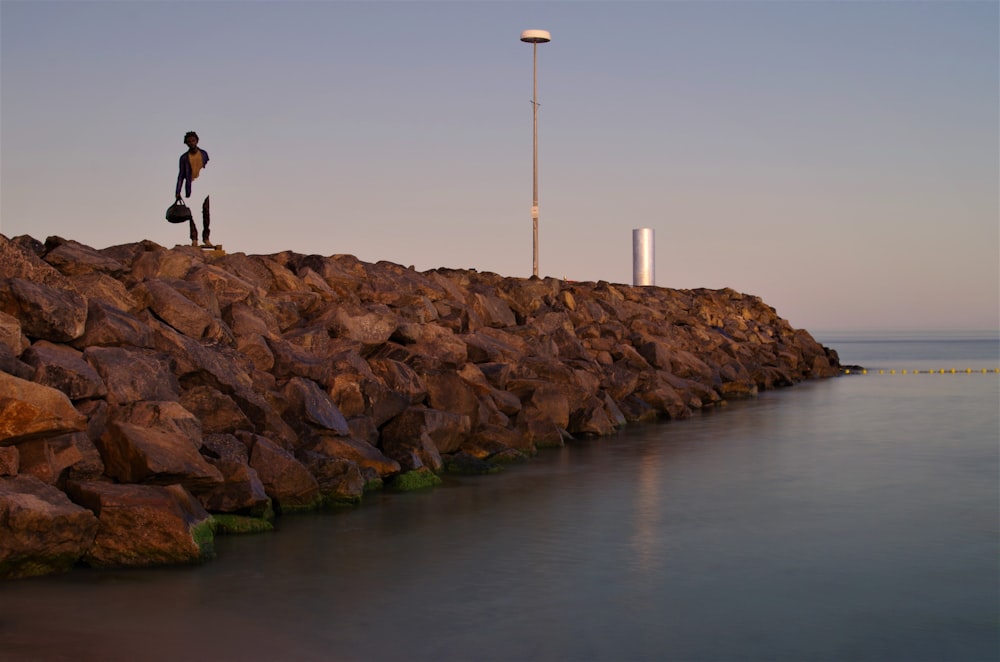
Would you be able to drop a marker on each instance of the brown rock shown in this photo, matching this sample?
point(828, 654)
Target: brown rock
point(33, 411)
point(144, 525)
point(134, 454)
point(447, 391)
point(217, 412)
point(10, 460)
point(10, 334)
point(100, 287)
point(72, 258)
point(42, 531)
point(446, 429)
point(19, 260)
point(132, 374)
point(44, 312)
point(359, 452)
point(339, 480)
point(109, 326)
point(310, 407)
point(175, 309)
point(63, 368)
point(242, 490)
point(48, 459)
point(285, 479)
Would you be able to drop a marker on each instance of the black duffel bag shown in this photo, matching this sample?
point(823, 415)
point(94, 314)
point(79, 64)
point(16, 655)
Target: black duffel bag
point(179, 212)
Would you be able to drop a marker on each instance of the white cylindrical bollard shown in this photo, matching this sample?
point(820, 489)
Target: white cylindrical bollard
point(643, 258)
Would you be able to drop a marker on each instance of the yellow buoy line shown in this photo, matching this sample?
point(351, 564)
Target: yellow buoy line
point(943, 371)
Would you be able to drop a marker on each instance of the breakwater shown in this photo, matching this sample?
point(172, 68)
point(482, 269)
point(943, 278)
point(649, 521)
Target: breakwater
point(152, 398)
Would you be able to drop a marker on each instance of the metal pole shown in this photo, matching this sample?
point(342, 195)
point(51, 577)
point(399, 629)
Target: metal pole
point(534, 37)
point(534, 163)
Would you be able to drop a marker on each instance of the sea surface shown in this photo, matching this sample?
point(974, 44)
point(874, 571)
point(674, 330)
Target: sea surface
point(855, 518)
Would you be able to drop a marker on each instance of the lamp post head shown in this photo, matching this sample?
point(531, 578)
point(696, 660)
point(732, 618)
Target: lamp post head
point(535, 36)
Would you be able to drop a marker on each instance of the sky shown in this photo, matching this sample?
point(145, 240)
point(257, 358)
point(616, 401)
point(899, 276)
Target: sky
point(840, 160)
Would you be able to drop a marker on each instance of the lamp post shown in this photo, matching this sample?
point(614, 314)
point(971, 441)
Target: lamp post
point(534, 37)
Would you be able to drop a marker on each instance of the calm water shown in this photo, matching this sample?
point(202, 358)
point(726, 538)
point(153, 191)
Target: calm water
point(849, 519)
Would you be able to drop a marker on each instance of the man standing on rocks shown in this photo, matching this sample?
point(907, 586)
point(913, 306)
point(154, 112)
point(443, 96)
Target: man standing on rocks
point(192, 162)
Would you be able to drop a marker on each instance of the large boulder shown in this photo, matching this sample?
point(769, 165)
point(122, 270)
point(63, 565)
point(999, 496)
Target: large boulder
point(309, 406)
point(72, 258)
point(144, 525)
point(242, 490)
point(32, 411)
point(45, 312)
point(111, 326)
point(359, 452)
point(41, 530)
point(159, 456)
point(285, 479)
point(174, 308)
point(131, 374)
point(64, 368)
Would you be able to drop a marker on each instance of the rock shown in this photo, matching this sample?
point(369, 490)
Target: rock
point(285, 480)
point(144, 525)
point(217, 412)
point(132, 374)
point(45, 312)
point(406, 440)
point(310, 406)
point(63, 368)
point(41, 529)
point(446, 429)
point(48, 459)
point(359, 452)
point(10, 460)
point(340, 481)
point(33, 411)
point(102, 288)
point(10, 334)
point(158, 456)
point(19, 260)
point(72, 258)
point(447, 391)
point(108, 326)
point(176, 310)
point(241, 490)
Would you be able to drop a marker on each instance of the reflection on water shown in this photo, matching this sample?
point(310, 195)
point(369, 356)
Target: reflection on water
point(851, 519)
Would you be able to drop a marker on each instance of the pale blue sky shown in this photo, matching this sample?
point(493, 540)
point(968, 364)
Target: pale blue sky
point(838, 159)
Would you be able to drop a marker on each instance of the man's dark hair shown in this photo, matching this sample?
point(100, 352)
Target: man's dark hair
point(190, 134)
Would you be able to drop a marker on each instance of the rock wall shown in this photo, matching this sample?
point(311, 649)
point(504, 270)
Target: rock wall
point(151, 398)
